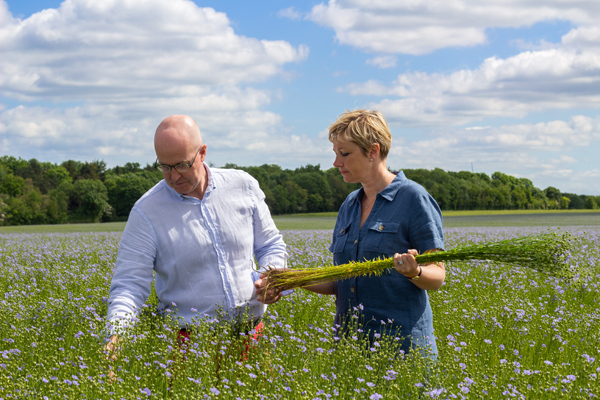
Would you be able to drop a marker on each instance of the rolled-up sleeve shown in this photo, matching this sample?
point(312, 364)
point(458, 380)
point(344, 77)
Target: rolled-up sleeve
point(132, 279)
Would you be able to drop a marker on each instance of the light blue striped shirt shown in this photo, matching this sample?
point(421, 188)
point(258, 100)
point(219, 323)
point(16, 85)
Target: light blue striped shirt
point(201, 251)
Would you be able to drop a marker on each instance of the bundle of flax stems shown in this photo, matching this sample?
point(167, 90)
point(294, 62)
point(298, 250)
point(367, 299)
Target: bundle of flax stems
point(546, 252)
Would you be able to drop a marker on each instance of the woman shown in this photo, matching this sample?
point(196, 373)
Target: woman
point(390, 216)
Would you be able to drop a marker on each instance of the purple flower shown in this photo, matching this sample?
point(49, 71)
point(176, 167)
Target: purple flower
point(376, 396)
point(215, 391)
point(146, 391)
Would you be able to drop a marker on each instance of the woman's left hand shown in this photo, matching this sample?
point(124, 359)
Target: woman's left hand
point(406, 264)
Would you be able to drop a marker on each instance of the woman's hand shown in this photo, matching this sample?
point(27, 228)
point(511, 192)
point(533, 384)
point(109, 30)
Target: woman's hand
point(430, 276)
point(406, 264)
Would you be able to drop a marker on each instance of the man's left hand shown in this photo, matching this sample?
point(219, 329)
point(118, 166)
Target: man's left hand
point(266, 297)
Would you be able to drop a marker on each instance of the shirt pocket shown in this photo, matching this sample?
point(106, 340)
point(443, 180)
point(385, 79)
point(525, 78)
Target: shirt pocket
point(382, 237)
point(339, 238)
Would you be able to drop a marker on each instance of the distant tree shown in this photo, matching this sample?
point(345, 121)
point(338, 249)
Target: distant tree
point(93, 171)
point(590, 203)
point(124, 190)
point(52, 177)
point(312, 179)
point(89, 200)
point(58, 204)
point(73, 167)
point(12, 185)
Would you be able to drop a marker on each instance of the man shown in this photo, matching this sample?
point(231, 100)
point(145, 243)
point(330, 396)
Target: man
point(198, 230)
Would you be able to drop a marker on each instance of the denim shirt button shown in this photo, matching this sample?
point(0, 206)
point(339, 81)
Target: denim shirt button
point(356, 242)
point(381, 227)
point(352, 289)
point(341, 231)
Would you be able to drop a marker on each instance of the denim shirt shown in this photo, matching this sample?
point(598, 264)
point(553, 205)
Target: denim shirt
point(404, 216)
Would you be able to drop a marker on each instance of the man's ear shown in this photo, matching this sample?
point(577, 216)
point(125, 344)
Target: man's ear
point(203, 152)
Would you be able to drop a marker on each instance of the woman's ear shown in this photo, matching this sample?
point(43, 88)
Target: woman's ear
point(374, 151)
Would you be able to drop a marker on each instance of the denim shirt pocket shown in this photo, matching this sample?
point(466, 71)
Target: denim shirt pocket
point(339, 238)
point(382, 237)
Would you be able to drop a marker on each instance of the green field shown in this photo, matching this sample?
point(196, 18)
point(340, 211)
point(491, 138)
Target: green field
point(452, 219)
point(503, 331)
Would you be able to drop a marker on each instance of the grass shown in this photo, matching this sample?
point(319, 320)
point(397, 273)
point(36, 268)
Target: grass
point(309, 221)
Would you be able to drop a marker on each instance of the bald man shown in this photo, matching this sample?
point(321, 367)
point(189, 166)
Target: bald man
point(198, 230)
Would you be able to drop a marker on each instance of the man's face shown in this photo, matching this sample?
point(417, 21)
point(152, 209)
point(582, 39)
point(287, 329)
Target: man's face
point(187, 182)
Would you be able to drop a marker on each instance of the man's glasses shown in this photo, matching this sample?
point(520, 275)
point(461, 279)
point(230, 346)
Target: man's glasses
point(181, 168)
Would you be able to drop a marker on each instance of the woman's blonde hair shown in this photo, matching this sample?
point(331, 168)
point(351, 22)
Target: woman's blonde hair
point(364, 128)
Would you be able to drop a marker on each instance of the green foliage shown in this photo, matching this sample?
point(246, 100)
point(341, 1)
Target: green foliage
point(124, 190)
point(89, 200)
point(12, 185)
point(303, 190)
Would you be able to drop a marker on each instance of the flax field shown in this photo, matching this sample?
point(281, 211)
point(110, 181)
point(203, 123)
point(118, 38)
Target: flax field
point(503, 332)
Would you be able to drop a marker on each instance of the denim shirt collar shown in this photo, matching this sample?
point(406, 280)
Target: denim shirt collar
point(211, 186)
point(388, 193)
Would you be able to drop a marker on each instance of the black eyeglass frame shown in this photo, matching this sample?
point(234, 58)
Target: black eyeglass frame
point(177, 167)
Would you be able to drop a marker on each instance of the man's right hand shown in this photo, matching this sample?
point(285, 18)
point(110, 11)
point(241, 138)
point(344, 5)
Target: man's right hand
point(112, 350)
point(112, 347)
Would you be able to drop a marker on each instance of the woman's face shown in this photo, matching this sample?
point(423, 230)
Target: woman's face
point(353, 164)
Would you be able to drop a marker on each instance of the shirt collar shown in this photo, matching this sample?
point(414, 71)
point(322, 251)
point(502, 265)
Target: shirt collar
point(388, 193)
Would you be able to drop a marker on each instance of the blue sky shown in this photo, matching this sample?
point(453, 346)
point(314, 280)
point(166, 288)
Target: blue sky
point(506, 86)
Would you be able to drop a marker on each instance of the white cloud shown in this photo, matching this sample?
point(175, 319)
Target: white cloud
point(126, 65)
point(547, 153)
point(131, 48)
point(383, 61)
point(290, 13)
point(560, 78)
point(422, 26)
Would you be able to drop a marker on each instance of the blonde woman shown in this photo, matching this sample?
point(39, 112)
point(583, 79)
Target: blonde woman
point(390, 216)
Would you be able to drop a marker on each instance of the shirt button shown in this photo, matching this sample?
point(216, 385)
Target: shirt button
point(356, 242)
point(341, 231)
point(381, 227)
point(352, 289)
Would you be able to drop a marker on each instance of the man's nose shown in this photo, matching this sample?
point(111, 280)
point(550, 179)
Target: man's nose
point(175, 175)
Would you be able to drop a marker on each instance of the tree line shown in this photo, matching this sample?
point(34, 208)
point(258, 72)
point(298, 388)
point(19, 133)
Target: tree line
point(33, 192)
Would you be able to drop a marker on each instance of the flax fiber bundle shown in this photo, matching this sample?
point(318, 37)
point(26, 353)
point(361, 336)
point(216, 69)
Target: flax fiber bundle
point(545, 252)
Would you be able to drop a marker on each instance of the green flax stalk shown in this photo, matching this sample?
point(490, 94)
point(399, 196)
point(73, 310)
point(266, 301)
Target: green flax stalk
point(545, 252)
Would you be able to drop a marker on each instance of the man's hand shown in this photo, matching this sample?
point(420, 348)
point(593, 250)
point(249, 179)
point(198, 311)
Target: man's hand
point(112, 347)
point(266, 297)
point(112, 350)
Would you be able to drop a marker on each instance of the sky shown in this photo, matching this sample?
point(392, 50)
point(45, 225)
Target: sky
point(501, 85)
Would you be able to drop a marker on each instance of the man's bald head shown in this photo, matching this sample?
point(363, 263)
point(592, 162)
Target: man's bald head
point(177, 141)
point(177, 133)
